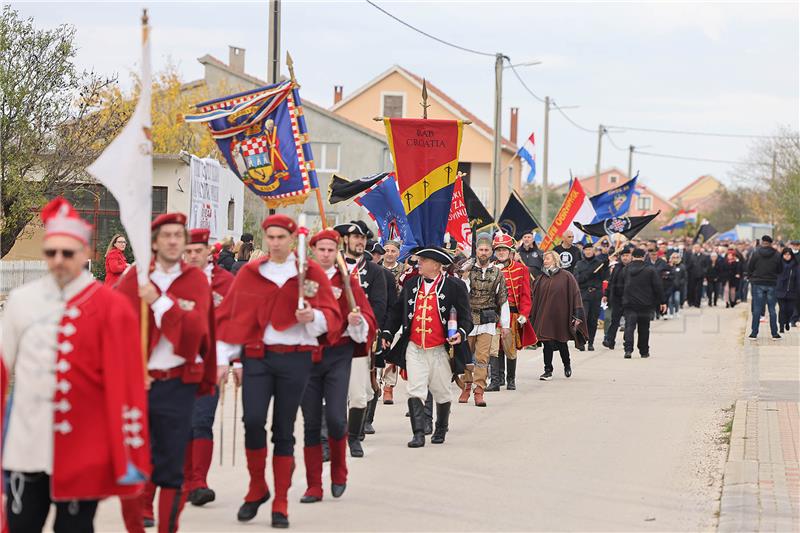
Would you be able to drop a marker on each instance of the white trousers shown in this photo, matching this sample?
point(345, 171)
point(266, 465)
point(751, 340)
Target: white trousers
point(428, 369)
point(360, 388)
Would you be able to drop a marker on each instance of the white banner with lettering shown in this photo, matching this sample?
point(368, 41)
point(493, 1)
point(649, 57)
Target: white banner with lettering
point(205, 187)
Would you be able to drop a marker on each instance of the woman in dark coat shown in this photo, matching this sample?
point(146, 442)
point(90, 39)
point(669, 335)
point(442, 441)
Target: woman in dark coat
point(731, 269)
point(714, 279)
point(243, 257)
point(557, 313)
point(788, 288)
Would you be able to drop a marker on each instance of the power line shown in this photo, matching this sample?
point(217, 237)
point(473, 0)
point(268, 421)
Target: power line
point(525, 85)
point(701, 159)
point(704, 133)
point(608, 136)
point(555, 106)
point(426, 34)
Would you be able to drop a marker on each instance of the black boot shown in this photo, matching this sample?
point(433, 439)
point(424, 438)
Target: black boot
point(373, 403)
point(442, 422)
point(494, 375)
point(326, 450)
point(355, 420)
point(511, 378)
point(428, 410)
point(501, 366)
point(417, 410)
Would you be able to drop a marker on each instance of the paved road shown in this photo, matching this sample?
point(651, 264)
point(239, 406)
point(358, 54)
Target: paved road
point(624, 445)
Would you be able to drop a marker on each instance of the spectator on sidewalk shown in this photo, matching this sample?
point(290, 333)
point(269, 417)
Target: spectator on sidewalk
point(643, 294)
point(242, 257)
point(226, 258)
point(787, 289)
point(116, 263)
point(763, 270)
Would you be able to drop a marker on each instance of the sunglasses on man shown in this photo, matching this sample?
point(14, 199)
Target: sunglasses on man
point(65, 253)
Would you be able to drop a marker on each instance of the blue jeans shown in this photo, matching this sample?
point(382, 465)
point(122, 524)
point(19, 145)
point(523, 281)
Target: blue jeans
point(674, 301)
point(764, 294)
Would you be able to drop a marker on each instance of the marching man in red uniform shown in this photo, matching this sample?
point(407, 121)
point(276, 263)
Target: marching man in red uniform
point(77, 430)
point(262, 313)
point(518, 285)
point(330, 376)
point(201, 448)
point(181, 364)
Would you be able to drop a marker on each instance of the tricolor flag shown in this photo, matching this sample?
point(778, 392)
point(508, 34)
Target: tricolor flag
point(680, 220)
point(425, 154)
point(528, 153)
point(577, 207)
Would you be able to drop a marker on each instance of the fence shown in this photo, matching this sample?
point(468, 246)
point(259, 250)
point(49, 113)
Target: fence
point(15, 273)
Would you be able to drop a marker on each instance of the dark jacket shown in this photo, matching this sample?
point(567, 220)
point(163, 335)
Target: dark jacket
point(715, 271)
point(226, 260)
point(373, 281)
point(764, 266)
point(730, 271)
point(662, 269)
point(643, 291)
point(452, 293)
point(237, 265)
point(616, 284)
point(589, 273)
point(677, 276)
point(531, 258)
point(696, 264)
point(788, 283)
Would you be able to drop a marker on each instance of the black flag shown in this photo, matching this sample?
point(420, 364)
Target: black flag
point(476, 212)
point(341, 189)
point(706, 231)
point(628, 226)
point(516, 219)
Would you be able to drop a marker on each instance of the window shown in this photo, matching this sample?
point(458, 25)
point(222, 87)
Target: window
point(231, 214)
point(326, 156)
point(613, 179)
point(392, 105)
point(644, 203)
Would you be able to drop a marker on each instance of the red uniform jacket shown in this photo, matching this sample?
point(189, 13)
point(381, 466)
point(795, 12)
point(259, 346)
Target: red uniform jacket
point(361, 349)
point(188, 325)
point(221, 281)
point(253, 302)
point(115, 266)
point(100, 409)
point(518, 284)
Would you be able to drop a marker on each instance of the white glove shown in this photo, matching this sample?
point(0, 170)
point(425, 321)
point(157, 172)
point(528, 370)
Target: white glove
point(521, 319)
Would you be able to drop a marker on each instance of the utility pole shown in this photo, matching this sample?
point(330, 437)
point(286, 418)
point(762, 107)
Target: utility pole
point(630, 161)
point(498, 108)
point(600, 131)
point(544, 215)
point(274, 47)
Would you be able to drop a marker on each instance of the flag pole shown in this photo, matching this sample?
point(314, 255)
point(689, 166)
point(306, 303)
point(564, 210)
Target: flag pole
point(320, 202)
point(144, 314)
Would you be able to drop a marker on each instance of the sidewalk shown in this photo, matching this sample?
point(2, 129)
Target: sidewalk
point(761, 484)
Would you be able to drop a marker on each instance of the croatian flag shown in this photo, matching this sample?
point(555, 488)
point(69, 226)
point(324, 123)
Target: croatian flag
point(528, 152)
point(680, 220)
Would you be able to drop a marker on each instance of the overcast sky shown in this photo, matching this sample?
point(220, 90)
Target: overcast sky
point(718, 67)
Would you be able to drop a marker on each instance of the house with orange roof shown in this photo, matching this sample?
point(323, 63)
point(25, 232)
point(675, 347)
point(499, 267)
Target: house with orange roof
point(396, 92)
point(702, 194)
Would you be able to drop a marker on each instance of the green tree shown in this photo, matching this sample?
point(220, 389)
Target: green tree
point(49, 131)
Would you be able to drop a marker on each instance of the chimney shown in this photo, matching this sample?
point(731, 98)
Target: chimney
point(236, 59)
point(514, 119)
point(337, 94)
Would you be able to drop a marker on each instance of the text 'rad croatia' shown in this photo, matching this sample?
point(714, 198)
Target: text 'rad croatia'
point(425, 155)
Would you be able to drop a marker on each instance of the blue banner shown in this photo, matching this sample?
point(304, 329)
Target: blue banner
point(382, 202)
point(614, 202)
point(263, 137)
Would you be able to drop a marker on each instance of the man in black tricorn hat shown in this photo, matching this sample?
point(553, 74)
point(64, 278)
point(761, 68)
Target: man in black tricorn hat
point(426, 305)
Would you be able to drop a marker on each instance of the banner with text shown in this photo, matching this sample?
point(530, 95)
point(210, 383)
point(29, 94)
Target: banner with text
point(205, 188)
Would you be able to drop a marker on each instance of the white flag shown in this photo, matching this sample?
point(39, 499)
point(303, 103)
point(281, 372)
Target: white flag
point(125, 168)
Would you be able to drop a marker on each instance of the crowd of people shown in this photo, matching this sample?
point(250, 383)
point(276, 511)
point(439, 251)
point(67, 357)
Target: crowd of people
point(325, 324)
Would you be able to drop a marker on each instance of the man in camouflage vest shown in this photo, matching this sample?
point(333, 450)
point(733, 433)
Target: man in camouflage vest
point(489, 303)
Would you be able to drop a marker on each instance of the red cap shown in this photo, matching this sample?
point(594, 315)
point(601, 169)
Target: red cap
point(168, 218)
point(330, 234)
point(502, 240)
point(199, 235)
point(60, 218)
point(281, 221)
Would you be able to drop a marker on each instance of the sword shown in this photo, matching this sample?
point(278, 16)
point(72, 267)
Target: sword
point(221, 416)
point(235, 418)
